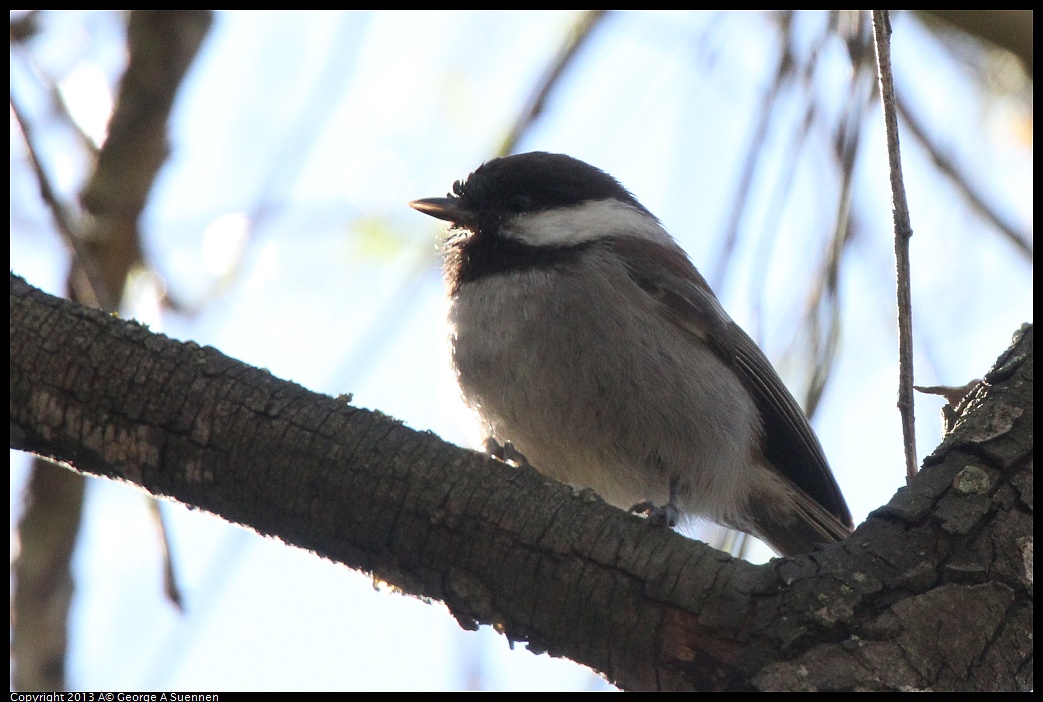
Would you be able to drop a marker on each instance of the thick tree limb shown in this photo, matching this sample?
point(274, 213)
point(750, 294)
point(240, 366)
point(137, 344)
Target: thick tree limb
point(933, 591)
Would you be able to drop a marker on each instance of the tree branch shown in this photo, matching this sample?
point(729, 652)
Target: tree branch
point(903, 231)
point(932, 591)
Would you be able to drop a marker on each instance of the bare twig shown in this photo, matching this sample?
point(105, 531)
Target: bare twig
point(170, 586)
point(903, 232)
point(823, 311)
point(91, 288)
point(955, 174)
point(783, 74)
point(582, 31)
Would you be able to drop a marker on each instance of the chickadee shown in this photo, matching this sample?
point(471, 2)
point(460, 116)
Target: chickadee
point(584, 337)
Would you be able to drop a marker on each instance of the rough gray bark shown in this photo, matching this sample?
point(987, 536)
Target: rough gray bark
point(933, 591)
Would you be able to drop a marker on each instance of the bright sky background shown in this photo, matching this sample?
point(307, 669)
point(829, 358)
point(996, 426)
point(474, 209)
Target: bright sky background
point(280, 220)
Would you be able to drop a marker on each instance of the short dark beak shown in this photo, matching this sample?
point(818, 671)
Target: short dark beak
point(450, 209)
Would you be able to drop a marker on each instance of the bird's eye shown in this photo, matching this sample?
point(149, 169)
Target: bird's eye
point(520, 202)
point(458, 188)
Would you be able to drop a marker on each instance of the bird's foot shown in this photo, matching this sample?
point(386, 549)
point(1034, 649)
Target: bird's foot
point(665, 516)
point(505, 452)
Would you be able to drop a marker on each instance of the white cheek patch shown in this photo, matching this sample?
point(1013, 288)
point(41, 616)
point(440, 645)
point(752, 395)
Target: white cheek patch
point(597, 219)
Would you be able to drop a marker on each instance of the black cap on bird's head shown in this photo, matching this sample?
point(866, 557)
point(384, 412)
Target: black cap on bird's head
point(523, 183)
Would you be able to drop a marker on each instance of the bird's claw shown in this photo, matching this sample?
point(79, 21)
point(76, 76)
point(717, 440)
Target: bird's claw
point(665, 516)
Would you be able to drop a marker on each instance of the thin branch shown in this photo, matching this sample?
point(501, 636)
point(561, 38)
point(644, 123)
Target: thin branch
point(581, 32)
point(163, 531)
point(21, 32)
point(93, 292)
point(847, 139)
point(783, 74)
point(903, 232)
point(948, 167)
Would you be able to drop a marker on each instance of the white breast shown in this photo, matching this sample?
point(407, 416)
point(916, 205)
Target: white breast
point(574, 366)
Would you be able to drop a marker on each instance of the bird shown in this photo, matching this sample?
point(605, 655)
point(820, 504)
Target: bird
point(587, 344)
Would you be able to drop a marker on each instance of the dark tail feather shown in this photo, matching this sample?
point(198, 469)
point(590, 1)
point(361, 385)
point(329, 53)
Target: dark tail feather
point(798, 529)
